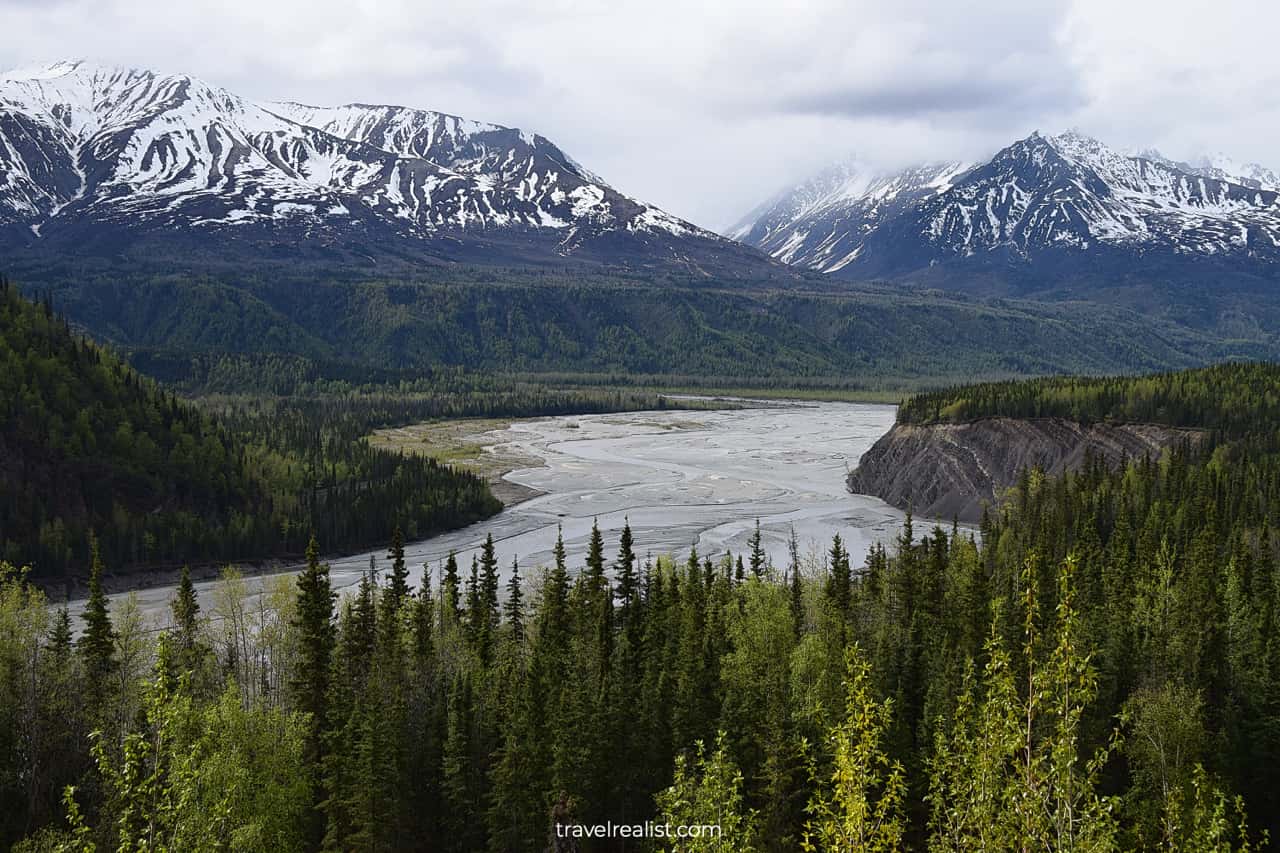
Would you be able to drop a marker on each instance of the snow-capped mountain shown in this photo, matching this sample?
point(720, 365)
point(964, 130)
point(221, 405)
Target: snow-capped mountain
point(1066, 196)
point(822, 223)
point(94, 155)
point(1221, 167)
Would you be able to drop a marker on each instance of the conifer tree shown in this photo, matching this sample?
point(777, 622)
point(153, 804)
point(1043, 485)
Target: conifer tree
point(186, 610)
point(60, 637)
point(794, 580)
point(515, 611)
point(359, 637)
point(840, 577)
point(313, 624)
point(599, 599)
point(485, 622)
point(554, 615)
point(595, 558)
point(451, 588)
point(423, 625)
point(625, 573)
point(474, 615)
point(189, 653)
point(462, 833)
point(97, 644)
point(397, 589)
point(758, 558)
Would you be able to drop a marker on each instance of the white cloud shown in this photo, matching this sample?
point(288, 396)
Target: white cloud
point(707, 107)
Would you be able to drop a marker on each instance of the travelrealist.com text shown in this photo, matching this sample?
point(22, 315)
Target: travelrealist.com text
point(648, 829)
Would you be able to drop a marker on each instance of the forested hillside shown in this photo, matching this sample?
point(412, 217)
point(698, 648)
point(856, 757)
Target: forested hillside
point(1235, 399)
point(86, 443)
point(559, 322)
point(1097, 670)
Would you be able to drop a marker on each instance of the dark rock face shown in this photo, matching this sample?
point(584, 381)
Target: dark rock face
point(950, 470)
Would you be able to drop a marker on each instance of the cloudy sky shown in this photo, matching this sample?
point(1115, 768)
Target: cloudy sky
point(706, 107)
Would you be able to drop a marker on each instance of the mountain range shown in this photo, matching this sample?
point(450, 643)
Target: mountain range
point(179, 220)
point(102, 159)
point(1043, 213)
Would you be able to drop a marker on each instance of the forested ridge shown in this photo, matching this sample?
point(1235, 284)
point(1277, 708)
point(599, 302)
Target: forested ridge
point(1097, 669)
point(556, 321)
point(94, 444)
point(87, 443)
point(1233, 398)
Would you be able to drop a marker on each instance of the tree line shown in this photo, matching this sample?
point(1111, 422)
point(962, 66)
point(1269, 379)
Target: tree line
point(1235, 398)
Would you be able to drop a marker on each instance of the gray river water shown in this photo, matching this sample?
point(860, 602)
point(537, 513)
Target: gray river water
point(682, 478)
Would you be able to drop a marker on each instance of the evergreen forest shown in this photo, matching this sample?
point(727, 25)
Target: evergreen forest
point(1095, 667)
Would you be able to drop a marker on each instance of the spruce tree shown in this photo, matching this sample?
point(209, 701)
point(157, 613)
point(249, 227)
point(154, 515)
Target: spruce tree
point(98, 642)
point(625, 572)
point(474, 612)
point(186, 610)
point(360, 631)
point(486, 623)
point(595, 557)
point(451, 588)
point(797, 590)
point(758, 559)
point(489, 581)
point(555, 594)
point(840, 577)
point(313, 623)
point(398, 588)
point(423, 624)
point(189, 653)
point(599, 598)
point(515, 612)
point(60, 639)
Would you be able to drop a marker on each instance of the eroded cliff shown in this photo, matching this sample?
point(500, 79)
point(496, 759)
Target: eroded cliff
point(950, 470)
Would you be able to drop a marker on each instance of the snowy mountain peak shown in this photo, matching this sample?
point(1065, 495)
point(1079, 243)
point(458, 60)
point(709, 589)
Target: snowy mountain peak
point(1067, 192)
point(821, 223)
point(116, 153)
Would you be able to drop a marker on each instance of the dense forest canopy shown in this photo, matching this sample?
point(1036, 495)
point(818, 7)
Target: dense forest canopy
point(87, 443)
point(1097, 669)
point(1235, 399)
point(556, 321)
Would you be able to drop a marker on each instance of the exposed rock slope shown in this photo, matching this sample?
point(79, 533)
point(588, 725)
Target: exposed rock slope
point(950, 470)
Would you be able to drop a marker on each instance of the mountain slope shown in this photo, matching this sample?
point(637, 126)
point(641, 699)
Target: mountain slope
point(1050, 208)
point(104, 158)
point(823, 223)
point(88, 444)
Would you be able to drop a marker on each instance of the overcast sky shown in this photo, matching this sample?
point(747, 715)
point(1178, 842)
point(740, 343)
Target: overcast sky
point(706, 108)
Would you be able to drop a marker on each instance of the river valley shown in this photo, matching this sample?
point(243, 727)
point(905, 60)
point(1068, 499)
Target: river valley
point(682, 478)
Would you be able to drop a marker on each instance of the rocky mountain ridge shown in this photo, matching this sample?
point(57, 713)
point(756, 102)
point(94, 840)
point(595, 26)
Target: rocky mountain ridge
point(1061, 207)
point(103, 158)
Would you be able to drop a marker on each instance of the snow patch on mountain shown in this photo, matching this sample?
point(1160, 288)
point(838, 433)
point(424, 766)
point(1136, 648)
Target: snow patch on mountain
point(1068, 191)
point(83, 145)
